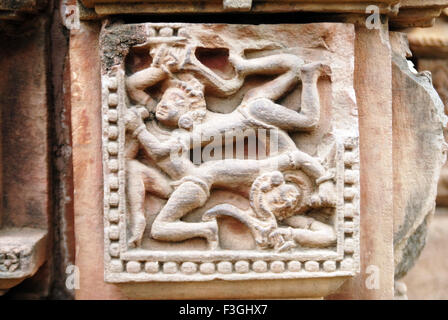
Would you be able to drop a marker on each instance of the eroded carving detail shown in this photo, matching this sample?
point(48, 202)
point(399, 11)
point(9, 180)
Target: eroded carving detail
point(22, 252)
point(217, 159)
point(9, 260)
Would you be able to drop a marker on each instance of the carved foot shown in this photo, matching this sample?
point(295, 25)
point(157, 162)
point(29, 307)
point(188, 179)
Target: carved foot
point(288, 245)
point(212, 234)
point(134, 242)
point(282, 239)
point(326, 197)
point(209, 219)
point(137, 233)
point(314, 70)
point(238, 63)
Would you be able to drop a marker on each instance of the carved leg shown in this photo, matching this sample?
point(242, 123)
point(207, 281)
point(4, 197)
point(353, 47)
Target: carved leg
point(168, 226)
point(310, 101)
point(274, 64)
point(139, 81)
point(317, 234)
point(140, 180)
point(312, 71)
point(235, 173)
point(260, 229)
point(308, 164)
point(307, 232)
point(285, 65)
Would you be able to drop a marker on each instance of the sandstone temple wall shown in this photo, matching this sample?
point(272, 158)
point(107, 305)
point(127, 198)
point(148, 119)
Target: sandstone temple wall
point(335, 129)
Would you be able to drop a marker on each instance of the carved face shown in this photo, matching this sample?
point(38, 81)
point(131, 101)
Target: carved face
point(173, 105)
point(282, 200)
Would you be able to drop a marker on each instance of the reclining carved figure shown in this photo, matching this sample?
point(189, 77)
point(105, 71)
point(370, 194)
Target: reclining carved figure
point(275, 199)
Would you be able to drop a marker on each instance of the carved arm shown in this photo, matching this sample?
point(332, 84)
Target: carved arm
point(141, 80)
point(155, 148)
point(307, 231)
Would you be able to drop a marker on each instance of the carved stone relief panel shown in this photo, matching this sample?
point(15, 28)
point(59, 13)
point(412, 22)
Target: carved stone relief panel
point(229, 152)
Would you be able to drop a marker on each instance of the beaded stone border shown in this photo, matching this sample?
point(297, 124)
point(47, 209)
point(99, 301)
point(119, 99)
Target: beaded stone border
point(120, 266)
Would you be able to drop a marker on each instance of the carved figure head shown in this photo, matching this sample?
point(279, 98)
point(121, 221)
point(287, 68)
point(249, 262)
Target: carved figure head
point(182, 104)
point(271, 195)
point(282, 200)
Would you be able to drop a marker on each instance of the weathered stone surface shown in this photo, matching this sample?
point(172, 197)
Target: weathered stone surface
point(87, 170)
point(439, 70)
point(61, 138)
point(431, 48)
point(24, 134)
point(419, 153)
point(373, 88)
point(23, 97)
point(428, 279)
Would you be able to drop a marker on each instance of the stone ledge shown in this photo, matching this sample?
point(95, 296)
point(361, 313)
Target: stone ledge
point(133, 7)
point(431, 42)
point(22, 252)
point(212, 6)
point(403, 14)
point(262, 289)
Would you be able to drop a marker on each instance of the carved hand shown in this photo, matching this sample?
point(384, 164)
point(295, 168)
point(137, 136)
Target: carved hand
point(169, 59)
point(283, 239)
point(280, 235)
point(177, 146)
point(237, 62)
point(133, 119)
point(327, 194)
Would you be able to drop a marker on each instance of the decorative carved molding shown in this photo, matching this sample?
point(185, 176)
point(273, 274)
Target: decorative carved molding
point(213, 6)
point(417, 13)
point(430, 42)
point(402, 13)
point(22, 252)
point(291, 214)
point(237, 5)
